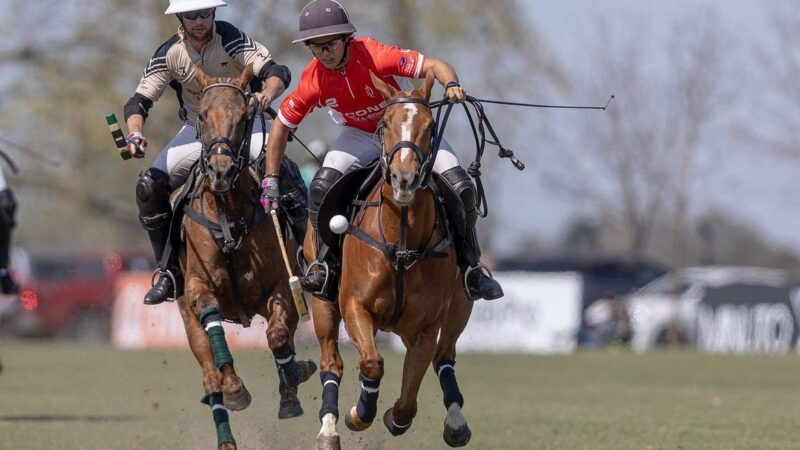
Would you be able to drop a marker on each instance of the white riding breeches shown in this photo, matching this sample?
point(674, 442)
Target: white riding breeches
point(355, 148)
point(180, 154)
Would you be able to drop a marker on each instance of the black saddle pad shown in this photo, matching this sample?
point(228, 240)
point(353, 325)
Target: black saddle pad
point(339, 199)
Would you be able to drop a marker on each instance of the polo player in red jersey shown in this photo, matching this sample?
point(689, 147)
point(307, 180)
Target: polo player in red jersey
point(339, 78)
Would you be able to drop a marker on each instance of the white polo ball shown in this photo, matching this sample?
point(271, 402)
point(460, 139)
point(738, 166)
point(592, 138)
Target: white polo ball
point(339, 224)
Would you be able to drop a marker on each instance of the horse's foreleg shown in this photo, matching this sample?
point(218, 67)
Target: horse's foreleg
point(212, 379)
point(206, 309)
point(291, 372)
point(456, 432)
point(419, 353)
point(362, 332)
point(326, 326)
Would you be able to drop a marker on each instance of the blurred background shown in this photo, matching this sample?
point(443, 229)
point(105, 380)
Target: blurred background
point(691, 166)
point(668, 220)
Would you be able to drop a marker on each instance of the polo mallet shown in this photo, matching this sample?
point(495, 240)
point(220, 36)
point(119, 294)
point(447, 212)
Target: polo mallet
point(294, 281)
point(118, 135)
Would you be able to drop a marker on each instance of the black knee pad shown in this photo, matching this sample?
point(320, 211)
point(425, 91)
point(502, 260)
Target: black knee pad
point(290, 179)
point(152, 197)
point(461, 183)
point(320, 186)
point(8, 204)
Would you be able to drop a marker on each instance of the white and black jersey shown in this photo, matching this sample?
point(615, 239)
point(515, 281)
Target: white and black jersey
point(229, 51)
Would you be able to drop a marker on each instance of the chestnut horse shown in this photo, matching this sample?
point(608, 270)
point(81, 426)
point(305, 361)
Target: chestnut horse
point(232, 264)
point(399, 273)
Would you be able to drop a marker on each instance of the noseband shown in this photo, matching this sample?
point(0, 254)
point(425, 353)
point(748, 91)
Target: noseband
point(426, 161)
point(223, 145)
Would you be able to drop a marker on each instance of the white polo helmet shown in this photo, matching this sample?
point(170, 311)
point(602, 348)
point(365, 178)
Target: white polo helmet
point(182, 6)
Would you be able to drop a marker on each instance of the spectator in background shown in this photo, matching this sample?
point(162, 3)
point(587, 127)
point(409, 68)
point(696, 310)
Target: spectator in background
point(8, 208)
point(607, 322)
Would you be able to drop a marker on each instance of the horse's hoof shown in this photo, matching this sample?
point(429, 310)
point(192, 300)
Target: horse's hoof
point(290, 404)
point(238, 400)
point(393, 428)
point(354, 422)
point(327, 443)
point(309, 367)
point(456, 438)
point(290, 409)
point(227, 446)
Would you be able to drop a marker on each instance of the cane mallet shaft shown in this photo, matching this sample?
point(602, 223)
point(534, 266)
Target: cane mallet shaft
point(118, 135)
point(294, 281)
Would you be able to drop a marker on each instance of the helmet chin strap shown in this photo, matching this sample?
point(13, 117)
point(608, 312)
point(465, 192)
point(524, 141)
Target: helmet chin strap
point(343, 61)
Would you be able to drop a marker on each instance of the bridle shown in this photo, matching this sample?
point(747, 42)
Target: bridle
point(223, 145)
point(425, 168)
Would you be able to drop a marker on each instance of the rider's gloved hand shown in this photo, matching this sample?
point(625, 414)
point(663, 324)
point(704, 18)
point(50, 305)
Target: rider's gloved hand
point(137, 144)
point(455, 93)
point(270, 194)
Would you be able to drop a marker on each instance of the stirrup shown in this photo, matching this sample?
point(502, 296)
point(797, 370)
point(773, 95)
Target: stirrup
point(480, 266)
point(323, 266)
point(169, 274)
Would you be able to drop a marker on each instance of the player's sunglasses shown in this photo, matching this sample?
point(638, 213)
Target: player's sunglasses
point(194, 15)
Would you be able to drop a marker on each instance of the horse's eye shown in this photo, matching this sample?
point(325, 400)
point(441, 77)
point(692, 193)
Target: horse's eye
point(200, 117)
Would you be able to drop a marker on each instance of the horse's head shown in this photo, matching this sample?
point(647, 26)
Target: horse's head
point(407, 128)
point(223, 107)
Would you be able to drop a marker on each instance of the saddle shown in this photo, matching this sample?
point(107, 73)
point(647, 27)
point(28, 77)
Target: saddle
point(353, 188)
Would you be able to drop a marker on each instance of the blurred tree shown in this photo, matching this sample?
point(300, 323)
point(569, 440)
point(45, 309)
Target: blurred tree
point(778, 66)
point(641, 155)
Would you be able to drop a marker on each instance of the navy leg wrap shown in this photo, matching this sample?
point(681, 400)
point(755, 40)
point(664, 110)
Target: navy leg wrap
point(221, 419)
point(289, 372)
point(367, 407)
point(447, 380)
point(330, 395)
point(212, 322)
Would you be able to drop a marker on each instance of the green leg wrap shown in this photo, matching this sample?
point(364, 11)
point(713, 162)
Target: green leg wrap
point(212, 322)
point(289, 371)
point(224, 434)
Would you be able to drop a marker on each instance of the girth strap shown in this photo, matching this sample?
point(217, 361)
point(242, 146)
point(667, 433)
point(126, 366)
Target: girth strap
point(239, 226)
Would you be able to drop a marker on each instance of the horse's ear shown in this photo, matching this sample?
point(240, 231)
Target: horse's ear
point(427, 86)
point(246, 76)
point(386, 90)
point(202, 79)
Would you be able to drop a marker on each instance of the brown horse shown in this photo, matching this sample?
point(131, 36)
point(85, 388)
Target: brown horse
point(409, 286)
point(232, 263)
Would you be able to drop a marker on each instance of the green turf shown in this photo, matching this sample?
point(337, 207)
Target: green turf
point(83, 397)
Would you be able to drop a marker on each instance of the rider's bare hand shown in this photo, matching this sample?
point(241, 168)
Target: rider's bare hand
point(456, 94)
point(263, 99)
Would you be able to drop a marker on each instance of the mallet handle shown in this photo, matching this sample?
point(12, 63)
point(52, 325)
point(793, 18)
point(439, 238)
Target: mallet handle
point(118, 135)
point(294, 282)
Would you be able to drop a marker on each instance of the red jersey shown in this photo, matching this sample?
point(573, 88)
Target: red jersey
point(350, 96)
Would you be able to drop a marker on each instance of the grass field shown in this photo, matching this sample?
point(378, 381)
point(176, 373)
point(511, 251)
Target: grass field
point(85, 397)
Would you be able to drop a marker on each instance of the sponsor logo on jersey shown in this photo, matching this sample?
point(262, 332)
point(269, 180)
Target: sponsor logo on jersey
point(407, 64)
point(367, 114)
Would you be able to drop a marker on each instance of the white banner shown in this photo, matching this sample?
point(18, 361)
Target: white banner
point(540, 313)
point(135, 325)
